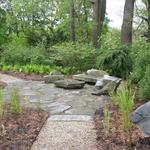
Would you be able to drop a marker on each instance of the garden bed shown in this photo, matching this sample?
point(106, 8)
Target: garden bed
point(117, 138)
point(22, 75)
point(2, 84)
point(19, 131)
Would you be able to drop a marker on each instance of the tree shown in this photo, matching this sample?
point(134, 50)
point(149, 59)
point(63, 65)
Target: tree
point(99, 9)
point(126, 30)
point(72, 21)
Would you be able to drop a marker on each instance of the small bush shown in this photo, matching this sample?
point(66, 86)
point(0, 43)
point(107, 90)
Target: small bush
point(79, 56)
point(15, 102)
point(19, 52)
point(117, 62)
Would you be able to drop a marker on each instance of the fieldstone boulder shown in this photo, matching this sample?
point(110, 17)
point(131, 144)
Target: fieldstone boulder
point(53, 78)
point(141, 116)
point(91, 76)
point(96, 73)
point(69, 84)
point(55, 73)
point(106, 85)
point(86, 78)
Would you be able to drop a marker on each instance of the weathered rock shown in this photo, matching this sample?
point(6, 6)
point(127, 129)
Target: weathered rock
point(53, 78)
point(70, 84)
point(96, 73)
point(106, 85)
point(55, 73)
point(141, 116)
point(86, 78)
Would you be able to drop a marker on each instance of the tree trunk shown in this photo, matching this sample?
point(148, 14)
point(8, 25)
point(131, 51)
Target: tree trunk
point(148, 9)
point(99, 9)
point(126, 31)
point(72, 21)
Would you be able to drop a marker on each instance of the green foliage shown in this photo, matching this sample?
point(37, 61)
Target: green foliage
point(19, 52)
point(117, 62)
point(38, 69)
point(80, 56)
point(2, 103)
point(3, 28)
point(141, 69)
point(15, 101)
point(125, 100)
point(144, 84)
point(106, 120)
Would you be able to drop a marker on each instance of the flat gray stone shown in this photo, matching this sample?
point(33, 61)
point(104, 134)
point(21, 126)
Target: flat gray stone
point(86, 78)
point(70, 118)
point(59, 109)
point(69, 84)
point(53, 78)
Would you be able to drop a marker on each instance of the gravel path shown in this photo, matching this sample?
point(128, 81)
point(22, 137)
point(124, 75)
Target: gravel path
point(67, 135)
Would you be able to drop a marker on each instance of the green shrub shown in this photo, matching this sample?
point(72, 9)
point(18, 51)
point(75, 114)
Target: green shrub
point(117, 62)
point(79, 56)
point(144, 84)
point(15, 101)
point(141, 70)
point(19, 52)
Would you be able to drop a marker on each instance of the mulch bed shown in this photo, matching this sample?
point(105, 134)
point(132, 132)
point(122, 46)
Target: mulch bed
point(32, 76)
point(19, 131)
point(2, 84)
point(117, 138)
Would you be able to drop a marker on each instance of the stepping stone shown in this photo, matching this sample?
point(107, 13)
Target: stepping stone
point(69, 84)
point(70, 118)
point(53, 78)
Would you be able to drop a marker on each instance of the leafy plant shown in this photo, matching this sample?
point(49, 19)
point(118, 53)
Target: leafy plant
point(106, 120)
point(2, 103)
point(15, 102)
point(116, 61)
point(144, 84)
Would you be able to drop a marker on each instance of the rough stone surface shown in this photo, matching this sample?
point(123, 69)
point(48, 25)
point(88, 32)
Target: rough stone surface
point(53, 78)
point(106, 85)
point(66, 136)
point(56, 101)
point(97, 73)
point(55, 73)
point(141, 116)
point(86, 78)
point(70, 84)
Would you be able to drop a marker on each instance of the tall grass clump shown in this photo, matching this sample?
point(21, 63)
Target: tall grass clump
point(106, 120)
point(124, 99)
point(2, 103)
point(15, 102)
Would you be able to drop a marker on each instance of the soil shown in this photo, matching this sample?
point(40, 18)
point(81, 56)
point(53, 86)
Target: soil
point(32, 76)
point(19, 131)
point(117, 138)
point(2, 84)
